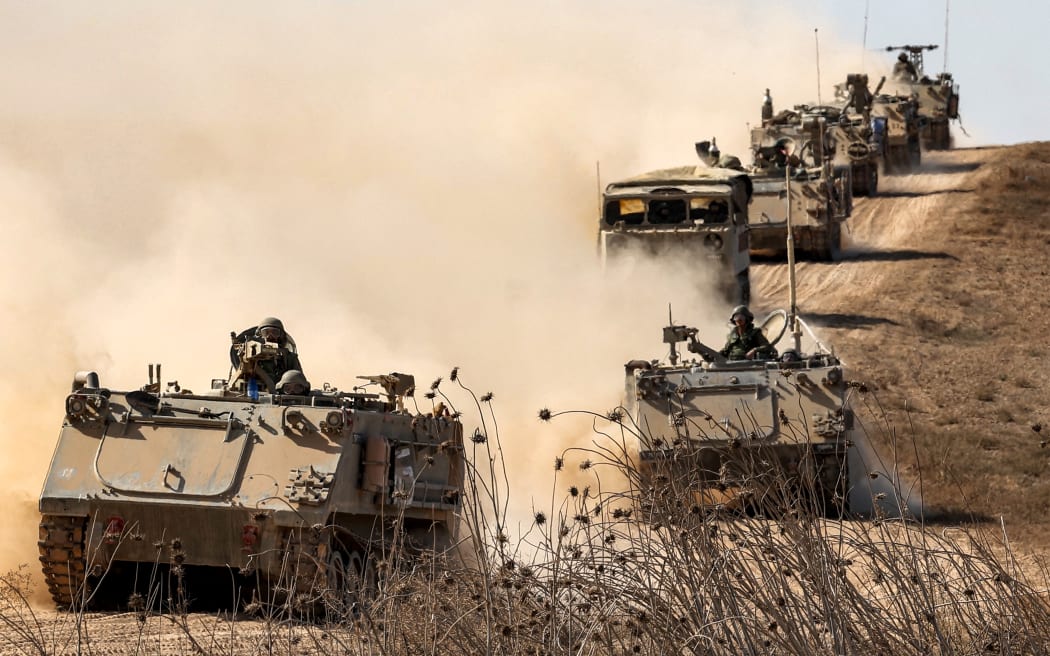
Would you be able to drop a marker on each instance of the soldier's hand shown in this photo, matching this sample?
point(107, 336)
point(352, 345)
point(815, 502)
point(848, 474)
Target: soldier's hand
point(750, 355)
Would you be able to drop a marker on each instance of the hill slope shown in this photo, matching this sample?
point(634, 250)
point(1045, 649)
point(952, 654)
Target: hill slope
point(937, 303)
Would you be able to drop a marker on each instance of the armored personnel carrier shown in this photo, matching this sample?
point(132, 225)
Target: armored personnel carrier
point(759, 433)
point(936, 98)
point(797, 180)
point(896, 121)
point(690, 212)
point(289, 492)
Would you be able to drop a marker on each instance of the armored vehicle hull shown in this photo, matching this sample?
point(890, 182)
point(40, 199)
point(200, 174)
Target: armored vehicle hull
point(936, 98)
point(818, 205)
point(691, 214)
point(294, 493)
point(763, 434)
point(898, 125)
point(797, 176)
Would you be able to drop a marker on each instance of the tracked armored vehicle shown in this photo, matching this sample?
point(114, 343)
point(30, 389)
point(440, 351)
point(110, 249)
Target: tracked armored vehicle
point(690, 213)
point(898, 125)
point(280, 496)
point(794, 171)
point(765, 434)
point(936, 98)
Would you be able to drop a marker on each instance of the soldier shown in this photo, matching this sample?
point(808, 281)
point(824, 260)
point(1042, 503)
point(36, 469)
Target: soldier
point(713, 157)
point(293, 382)
point(746, 342)
point(278, 356)
point(271, 329)
point(904, 70)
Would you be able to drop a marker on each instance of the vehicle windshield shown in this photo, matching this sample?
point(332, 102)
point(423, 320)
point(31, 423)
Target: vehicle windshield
point(666, 211)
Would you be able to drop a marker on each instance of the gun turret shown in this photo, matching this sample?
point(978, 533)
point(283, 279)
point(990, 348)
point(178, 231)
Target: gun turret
point(914, 55)
point(396, 386)
point(247, 356)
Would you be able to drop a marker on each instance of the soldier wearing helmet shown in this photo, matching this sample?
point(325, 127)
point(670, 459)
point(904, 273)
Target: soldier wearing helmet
point(293, 382)
point(274, 353)
point(904, 70)
point(271, 330)
point(745, 341)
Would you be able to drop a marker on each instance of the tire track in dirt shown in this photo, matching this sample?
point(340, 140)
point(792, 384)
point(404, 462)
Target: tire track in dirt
point(884, 235)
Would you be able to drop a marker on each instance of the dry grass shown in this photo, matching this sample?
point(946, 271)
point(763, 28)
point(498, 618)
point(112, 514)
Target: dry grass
point(620, 564)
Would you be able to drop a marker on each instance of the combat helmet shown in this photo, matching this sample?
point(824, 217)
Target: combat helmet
point(741, 309)
point(271, 322)
point(293, 377)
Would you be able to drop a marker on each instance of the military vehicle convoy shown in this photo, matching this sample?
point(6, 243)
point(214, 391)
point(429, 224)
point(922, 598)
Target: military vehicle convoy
point(295, 495)
point(937, 98)
point(796, 177)
point(692, 213)
point(752, 433)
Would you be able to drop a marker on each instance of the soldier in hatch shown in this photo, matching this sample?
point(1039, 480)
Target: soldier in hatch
point(269, 363)
point(904, 70)
point(713, 157)
point(271, 329)
point(293, 382)
point(746, 342)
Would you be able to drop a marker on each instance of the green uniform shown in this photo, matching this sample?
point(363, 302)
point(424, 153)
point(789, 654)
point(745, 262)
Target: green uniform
point(284, 361)
point(737, 345)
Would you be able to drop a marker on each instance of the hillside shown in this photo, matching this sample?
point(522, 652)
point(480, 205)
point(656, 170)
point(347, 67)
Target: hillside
point(936, 305)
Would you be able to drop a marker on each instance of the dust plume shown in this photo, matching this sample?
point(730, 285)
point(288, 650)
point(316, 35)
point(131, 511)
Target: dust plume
point(409, 188)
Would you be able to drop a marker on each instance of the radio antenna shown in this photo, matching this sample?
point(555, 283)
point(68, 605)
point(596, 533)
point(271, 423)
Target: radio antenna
point(598, 181)
point(947, 7)
point(816, 38)
point(864, 39)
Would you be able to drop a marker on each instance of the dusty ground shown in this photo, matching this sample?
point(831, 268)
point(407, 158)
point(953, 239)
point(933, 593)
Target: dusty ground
point(938, 304)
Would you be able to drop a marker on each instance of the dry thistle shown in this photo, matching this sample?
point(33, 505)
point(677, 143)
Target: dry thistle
point(486, 397)
point(454, 375)
point(437, 383)
point(574, 491)
point(585, 465)
point(478, 437)
point(544, 414)
point(540, 519)
point(559, 462)
point(430, 395)
point(615, 415)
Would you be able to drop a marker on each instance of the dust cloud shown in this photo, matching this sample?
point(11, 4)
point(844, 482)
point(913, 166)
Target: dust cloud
point(409, 187)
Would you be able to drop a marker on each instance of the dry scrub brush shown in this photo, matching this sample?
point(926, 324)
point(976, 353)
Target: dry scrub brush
point(632, 564)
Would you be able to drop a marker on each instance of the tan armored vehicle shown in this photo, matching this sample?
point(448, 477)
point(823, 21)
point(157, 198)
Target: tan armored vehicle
point(937, 98)
point(897, 127)
point(794, 171)
point(275, 489)
point(690, 212)
point(757, 433)
point(852, 139)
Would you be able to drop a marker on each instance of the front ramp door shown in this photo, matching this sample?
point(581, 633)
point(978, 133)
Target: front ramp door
point(192, 458)
point(745, 412)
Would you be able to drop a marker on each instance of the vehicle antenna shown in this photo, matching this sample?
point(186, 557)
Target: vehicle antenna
point(864, 39)
point(816, 38)
point(598, 181)
point(947, 7)
point(793, 323)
